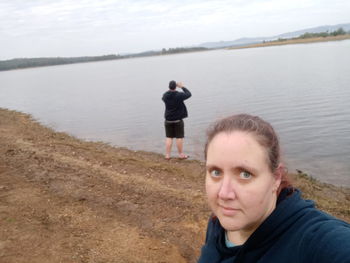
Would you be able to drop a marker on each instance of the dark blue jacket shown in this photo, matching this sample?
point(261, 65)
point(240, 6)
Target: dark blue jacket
point(175, 108)
point(295, 232)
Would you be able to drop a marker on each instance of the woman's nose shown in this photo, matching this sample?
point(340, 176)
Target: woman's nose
point(226, 190)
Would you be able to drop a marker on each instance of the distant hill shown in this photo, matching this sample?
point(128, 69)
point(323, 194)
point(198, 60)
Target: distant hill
point(246, 41)
point(319, 29)
point(19, 63)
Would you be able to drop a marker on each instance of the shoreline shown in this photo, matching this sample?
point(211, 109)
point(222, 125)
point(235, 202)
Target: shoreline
point(294, 41)
point(63, 199)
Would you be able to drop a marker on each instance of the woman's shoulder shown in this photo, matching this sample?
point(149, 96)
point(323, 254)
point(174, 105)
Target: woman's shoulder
point(322, 222)
point(304, 220)
point(315, 235)
point(312, 219)
point(326, 238)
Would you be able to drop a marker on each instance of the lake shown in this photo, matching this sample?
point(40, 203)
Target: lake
point(303, 90)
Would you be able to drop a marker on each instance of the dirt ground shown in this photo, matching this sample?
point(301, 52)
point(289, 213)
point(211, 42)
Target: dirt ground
point(67, 200)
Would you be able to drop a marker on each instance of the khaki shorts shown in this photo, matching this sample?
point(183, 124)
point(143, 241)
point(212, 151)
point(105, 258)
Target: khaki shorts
point(174, 129)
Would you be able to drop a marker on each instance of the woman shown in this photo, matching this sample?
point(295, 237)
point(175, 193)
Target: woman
point(257, 215)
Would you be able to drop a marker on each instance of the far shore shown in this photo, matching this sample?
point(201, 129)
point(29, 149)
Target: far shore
point(295, 41)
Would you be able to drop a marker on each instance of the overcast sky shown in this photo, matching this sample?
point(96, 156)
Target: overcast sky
point(47, 28)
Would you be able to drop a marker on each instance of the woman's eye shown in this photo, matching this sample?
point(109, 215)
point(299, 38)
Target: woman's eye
point(245, 175)
point(215, 173)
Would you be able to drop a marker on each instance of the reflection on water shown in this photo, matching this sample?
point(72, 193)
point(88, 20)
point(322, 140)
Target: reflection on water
point(303, 90)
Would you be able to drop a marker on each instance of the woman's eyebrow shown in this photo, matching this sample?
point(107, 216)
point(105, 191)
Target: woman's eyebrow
point(210, 166)
point(246, 167)
point(239, 166)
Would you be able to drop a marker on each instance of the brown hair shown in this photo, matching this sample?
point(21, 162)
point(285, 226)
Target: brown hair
point(264, 134)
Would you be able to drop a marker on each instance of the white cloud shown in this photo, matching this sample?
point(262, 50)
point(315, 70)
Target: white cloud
point(93, 27)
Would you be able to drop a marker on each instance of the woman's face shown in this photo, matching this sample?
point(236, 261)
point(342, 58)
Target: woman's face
point(241, 189)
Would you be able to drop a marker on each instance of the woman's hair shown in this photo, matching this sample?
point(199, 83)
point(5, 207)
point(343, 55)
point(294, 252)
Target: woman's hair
point(264, 134)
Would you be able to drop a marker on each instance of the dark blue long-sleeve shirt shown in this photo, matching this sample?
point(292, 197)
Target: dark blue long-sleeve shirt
point(175, 108)
point(295, 232)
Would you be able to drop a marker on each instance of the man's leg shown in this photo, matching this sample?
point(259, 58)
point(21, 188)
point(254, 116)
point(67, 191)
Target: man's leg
point(180, 134)
point(180, 147)
point(168, 144)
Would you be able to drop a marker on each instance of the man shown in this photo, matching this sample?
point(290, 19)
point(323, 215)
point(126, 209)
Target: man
point(175, 112)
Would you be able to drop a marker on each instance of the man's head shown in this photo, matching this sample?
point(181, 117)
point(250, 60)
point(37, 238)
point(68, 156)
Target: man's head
point(172, 85)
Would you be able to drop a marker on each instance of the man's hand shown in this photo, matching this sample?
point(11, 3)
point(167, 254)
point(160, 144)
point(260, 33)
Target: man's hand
point(179, 84)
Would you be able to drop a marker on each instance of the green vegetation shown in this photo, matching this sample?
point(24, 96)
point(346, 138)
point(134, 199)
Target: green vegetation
point(181, 50)
point(41, 62)
point(340, 31)
point(339, 34)
point(20, 63)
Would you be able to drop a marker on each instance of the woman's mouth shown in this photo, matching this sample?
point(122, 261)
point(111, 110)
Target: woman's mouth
point(228, 211)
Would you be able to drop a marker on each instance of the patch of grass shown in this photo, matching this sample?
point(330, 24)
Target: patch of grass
point(10, 220)
point(305, 176)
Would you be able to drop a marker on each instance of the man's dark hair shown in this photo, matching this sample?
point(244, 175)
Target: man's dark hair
point(172, 85)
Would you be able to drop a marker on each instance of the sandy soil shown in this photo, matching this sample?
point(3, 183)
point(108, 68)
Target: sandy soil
point(66, 200)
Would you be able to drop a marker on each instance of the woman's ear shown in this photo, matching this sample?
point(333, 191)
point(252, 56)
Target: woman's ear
point(278, 176)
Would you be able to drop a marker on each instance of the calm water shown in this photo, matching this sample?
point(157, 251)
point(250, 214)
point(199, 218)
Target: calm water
point(303, 90)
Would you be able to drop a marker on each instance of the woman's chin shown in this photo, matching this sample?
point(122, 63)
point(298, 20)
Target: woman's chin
point(229, 224)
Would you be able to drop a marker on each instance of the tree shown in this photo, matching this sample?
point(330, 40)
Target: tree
point(339, 31)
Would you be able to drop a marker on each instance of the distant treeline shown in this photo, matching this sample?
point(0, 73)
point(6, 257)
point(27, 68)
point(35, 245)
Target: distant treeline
point(338, 32)
point(20, 63)
point(165, 51)
point(181, 50)
point(41, 62)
